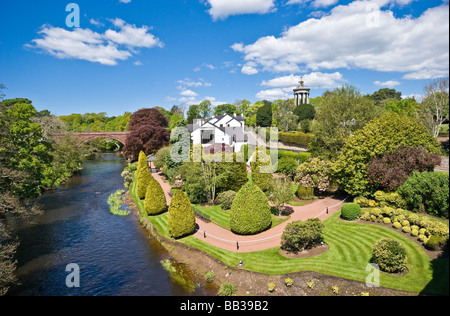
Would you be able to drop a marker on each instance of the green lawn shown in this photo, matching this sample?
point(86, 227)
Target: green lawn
point(350, 252)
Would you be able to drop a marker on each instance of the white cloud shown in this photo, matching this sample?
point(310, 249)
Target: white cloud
point(132, 36)
point(314, 80)
point(388, 84)
point(345, 38)
point(221, 9)
point(124, 1)
point(188, 93)
point(248, 69)
point(85, 44)
point(187, 82)
point(273, 94)
point(315, 3)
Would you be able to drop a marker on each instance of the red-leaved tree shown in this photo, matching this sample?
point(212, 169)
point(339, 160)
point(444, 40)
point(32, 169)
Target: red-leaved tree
point(392, 170)
point(147, 133)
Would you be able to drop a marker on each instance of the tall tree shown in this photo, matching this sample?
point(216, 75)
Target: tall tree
point(435, 106)
point(148, 133)
point(384, 95)
point(341, 113)
point(284, 117)
point(264, 115)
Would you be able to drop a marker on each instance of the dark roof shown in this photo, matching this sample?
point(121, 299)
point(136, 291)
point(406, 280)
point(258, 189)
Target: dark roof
point(151, 158)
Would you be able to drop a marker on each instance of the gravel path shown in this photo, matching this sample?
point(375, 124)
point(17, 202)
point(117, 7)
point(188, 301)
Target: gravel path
point(225, 239)
point(444, 165)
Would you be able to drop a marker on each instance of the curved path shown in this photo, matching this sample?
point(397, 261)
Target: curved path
point(225, 239)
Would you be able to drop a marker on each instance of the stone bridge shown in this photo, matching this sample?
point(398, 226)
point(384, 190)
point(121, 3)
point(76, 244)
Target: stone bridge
point(83, 137)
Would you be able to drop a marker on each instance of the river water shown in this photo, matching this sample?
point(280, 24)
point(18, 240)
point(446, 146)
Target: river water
point(114, 254)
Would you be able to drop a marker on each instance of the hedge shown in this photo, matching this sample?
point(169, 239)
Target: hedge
point(297, 138)
point(155, 199)
point(181, 217)
point(250, 211)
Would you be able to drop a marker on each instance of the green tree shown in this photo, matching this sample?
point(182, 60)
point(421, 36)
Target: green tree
point(221, 109)
point(250, 211)
point(155, 198)
point(281, 193)
point(381, 136)
point(205, 108)
point(435, 106)
point(341, 113)
point(32, 153)
point(181, 217)
point(384, 95)
point(407, 107)
point(285, 118)
point(264, 115)
point(144, 176)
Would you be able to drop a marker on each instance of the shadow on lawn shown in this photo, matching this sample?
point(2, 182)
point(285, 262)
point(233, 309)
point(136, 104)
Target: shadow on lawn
point(439, 285)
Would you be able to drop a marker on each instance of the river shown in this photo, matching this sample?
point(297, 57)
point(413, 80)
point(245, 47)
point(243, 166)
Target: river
point(114, 254)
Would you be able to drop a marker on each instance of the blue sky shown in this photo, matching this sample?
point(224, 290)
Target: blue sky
point(129, 54)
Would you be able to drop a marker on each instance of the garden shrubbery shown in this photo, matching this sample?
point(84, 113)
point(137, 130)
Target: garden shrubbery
point(351, 211)
point(427, 192)
point(155, 199)
point(144, 176)
point(226, 199)
point(389, 255)
point(181, 217)
point(296, 138)
point(250, 211)
point(415, 224)
point(299, 235)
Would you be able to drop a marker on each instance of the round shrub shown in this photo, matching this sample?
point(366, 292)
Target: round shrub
point(414, 232)
point(351, 211)
point(373, 218)
point(389, 255)
point(422, 231)
point(406, 229)
point(415, 227)
point(386, 220)
point(181, 217)
point(226, 199)
point(155, 199)
point(397, 225)
point(414, 219)
point(250, 211)
point(299, 235)
point(406, 223)
point(423, 238)
point(436, 242)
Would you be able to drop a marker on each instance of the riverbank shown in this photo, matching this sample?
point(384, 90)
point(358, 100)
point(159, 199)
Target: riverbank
point(250, 283)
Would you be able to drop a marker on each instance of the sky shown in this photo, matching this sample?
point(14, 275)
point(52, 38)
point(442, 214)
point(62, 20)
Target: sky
point(118, 56)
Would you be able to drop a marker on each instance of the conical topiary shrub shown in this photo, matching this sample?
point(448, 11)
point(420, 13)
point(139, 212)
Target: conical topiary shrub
point(250, 211)
point(181, 217)
point(144, 176)
point(155, 199)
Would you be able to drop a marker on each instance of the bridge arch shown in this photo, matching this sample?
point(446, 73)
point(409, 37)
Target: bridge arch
point(83, 137)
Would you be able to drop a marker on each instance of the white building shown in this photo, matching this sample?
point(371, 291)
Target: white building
point(223, 133)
